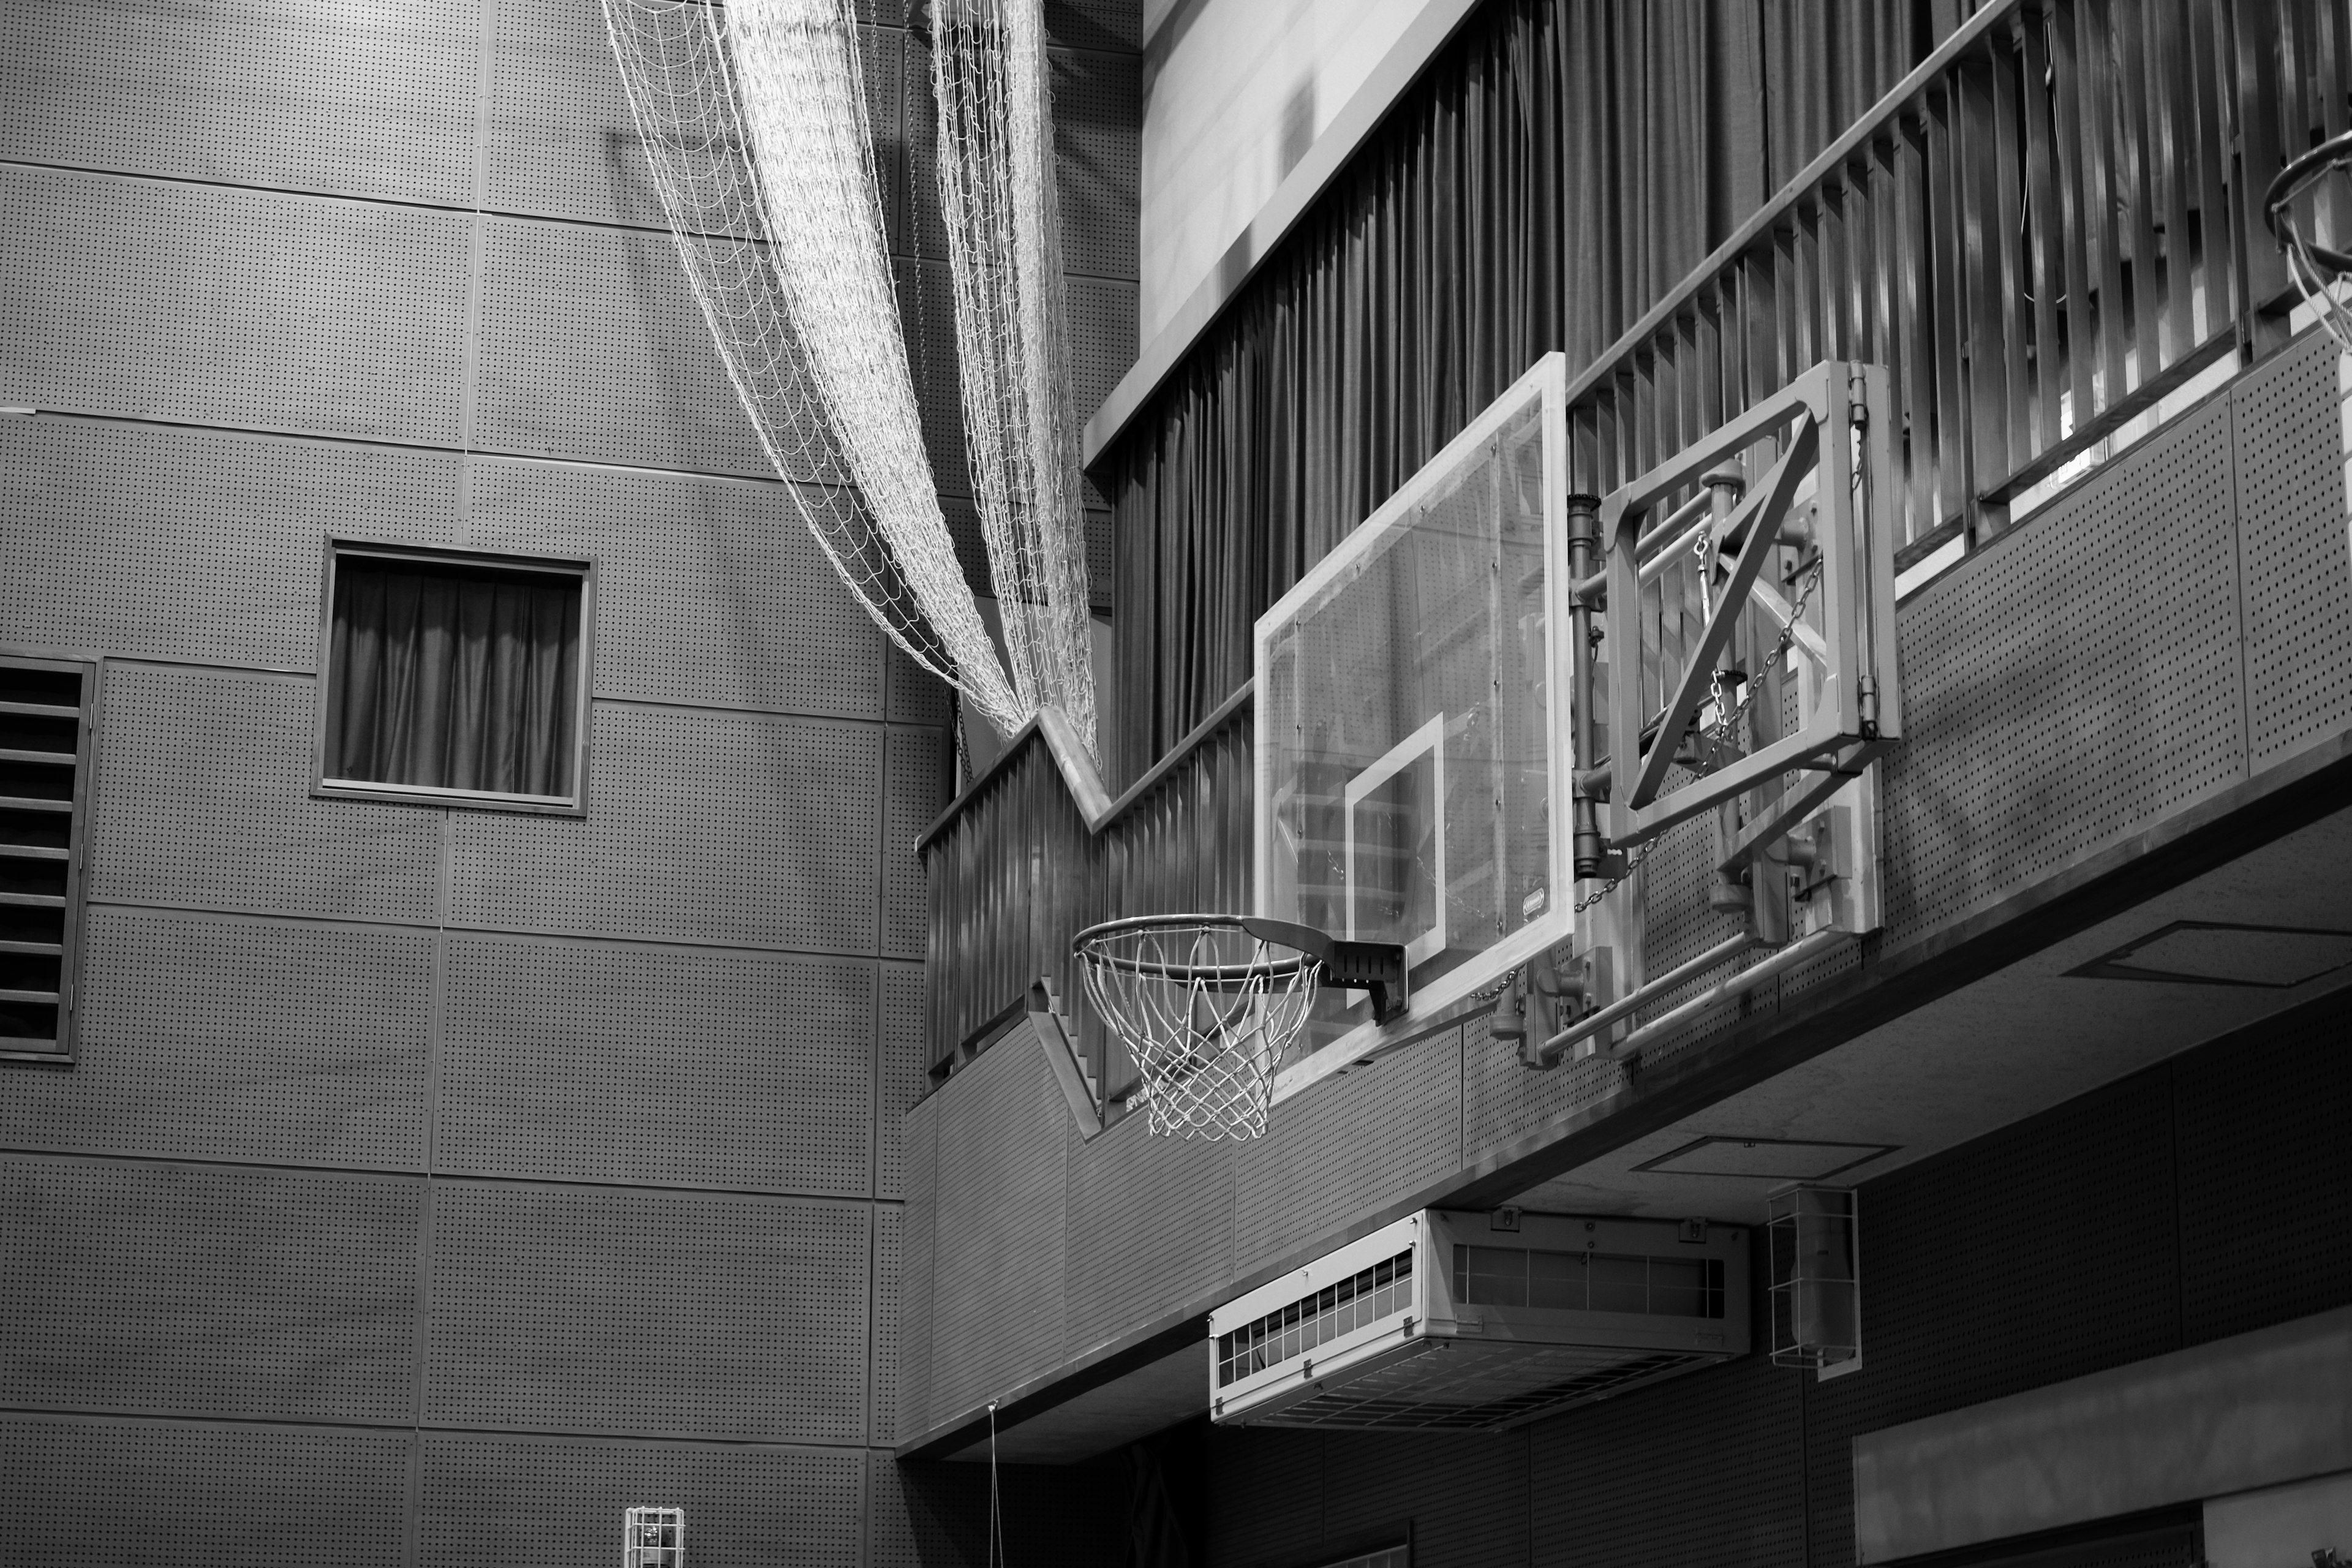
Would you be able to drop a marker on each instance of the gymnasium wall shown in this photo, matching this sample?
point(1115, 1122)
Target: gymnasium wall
point(2202, 1198)
point(2065, 690)
point(434, 1183)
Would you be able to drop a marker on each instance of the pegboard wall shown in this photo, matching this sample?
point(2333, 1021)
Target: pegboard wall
point(309, 95)
point(617, 1098)
point(194, 1290)
point(195, 304)
point(2292, 511)
point(212, 1037)
point(244, 1496)
point(666, 1314)
point(2069, 684)
point(738, 829)
point(683, 1066)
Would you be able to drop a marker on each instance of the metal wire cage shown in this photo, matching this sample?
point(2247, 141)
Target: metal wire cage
point(1815, 1243)
point(1208, 1004)
point(653, 1537)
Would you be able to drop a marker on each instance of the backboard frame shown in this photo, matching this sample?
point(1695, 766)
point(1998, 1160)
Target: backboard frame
point(1444, 998)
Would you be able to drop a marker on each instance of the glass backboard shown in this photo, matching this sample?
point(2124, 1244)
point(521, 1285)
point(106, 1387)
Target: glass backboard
point(1408, 704)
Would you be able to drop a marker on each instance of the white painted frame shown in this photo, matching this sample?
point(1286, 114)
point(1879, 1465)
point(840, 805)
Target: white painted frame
point(1451, 995)
point(1428, 740)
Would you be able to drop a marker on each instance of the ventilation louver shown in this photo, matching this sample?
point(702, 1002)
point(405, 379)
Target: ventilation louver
point(1443, 1322)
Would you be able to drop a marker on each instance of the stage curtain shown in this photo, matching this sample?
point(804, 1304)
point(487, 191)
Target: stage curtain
point(1562, 166)
point(454, 678)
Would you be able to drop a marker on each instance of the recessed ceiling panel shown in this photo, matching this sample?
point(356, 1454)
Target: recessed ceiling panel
point(2200, 952)
point(1765, 1159)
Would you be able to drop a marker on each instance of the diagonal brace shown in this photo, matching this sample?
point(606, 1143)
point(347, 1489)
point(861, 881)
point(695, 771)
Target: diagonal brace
point(1766, 506)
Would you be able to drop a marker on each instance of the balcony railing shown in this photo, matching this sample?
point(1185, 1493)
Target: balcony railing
point(2048, 233)
point(1036, 850)
point(2044, 230)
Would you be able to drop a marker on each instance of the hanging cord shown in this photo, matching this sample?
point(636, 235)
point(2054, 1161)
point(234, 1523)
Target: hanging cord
point(995, 1508)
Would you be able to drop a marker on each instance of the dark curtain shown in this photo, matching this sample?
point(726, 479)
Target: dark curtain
point(1558, 170)
point(458, 679)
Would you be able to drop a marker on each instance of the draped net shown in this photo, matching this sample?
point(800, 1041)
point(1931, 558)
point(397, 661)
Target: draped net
point(753, 119)
point(997, 197)
point(754, 124)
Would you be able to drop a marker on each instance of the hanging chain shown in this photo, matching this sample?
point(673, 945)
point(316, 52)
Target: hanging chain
point(1632, 864)
point(1728, 719)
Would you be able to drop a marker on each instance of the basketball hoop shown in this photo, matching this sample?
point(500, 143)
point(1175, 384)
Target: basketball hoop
point(1209, 1004)
point(2320, 271)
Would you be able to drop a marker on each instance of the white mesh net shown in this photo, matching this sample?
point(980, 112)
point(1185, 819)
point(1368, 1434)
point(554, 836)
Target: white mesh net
point(997, 197)
point(753, 119)
point(1208, 1006)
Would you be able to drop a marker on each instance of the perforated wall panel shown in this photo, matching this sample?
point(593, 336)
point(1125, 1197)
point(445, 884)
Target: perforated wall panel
point(648, 1314)
point(882, 1400)
point(560, 142)
point(923, 1514)
point(1265, 1494)
point(309, 95)
point(180, 1290)
point(227, 1039)
point(1153, 1223)
point(230, 307)
point(2039, 1254)
point(900, 1074)
point(2265, 1193)
point(918, 765)
point(1503, 1101)
point(624, 373)
point(202, 800)
point(1364, 1140)
point(559, 138)
point(2298, 569)
point(1622, 1474)
point(916, 696)
point(731, 828)
point(927, 316)
point(193, 545)
point(1095, 24)
point(708, 591)
point(1464, 1497)
point(919, 1222)
point(1098, 132)
point(998, 1232)
point(1102, 339)
point(2066, 686)
point(657, 1066)
point(103, 1492)
point(555, 1502)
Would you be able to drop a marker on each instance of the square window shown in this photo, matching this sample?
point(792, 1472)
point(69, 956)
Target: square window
point(454, 678)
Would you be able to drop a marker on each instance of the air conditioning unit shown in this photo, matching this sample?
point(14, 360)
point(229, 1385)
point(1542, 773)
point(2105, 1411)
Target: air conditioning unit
point(1446, 1320)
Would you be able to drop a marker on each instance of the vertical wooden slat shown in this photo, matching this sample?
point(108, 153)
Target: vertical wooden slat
point(2102, 195)
point(2173, 169)
point(2044, 265)
point(1941, 298)
point(2208, 76)
point(1974, 149)
point(2006, 236)
point(2077, 259)
point(2255, 25)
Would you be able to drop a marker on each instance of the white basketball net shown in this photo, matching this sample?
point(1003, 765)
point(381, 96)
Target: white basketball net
point(1208, 1009)
point(990, 78)
point(754, 124)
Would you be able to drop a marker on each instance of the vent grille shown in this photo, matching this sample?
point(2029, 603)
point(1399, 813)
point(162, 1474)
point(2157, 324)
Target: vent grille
point(42, 758)
point(1588, 1281)
point(1468, 1387)
point(1315, 1320)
